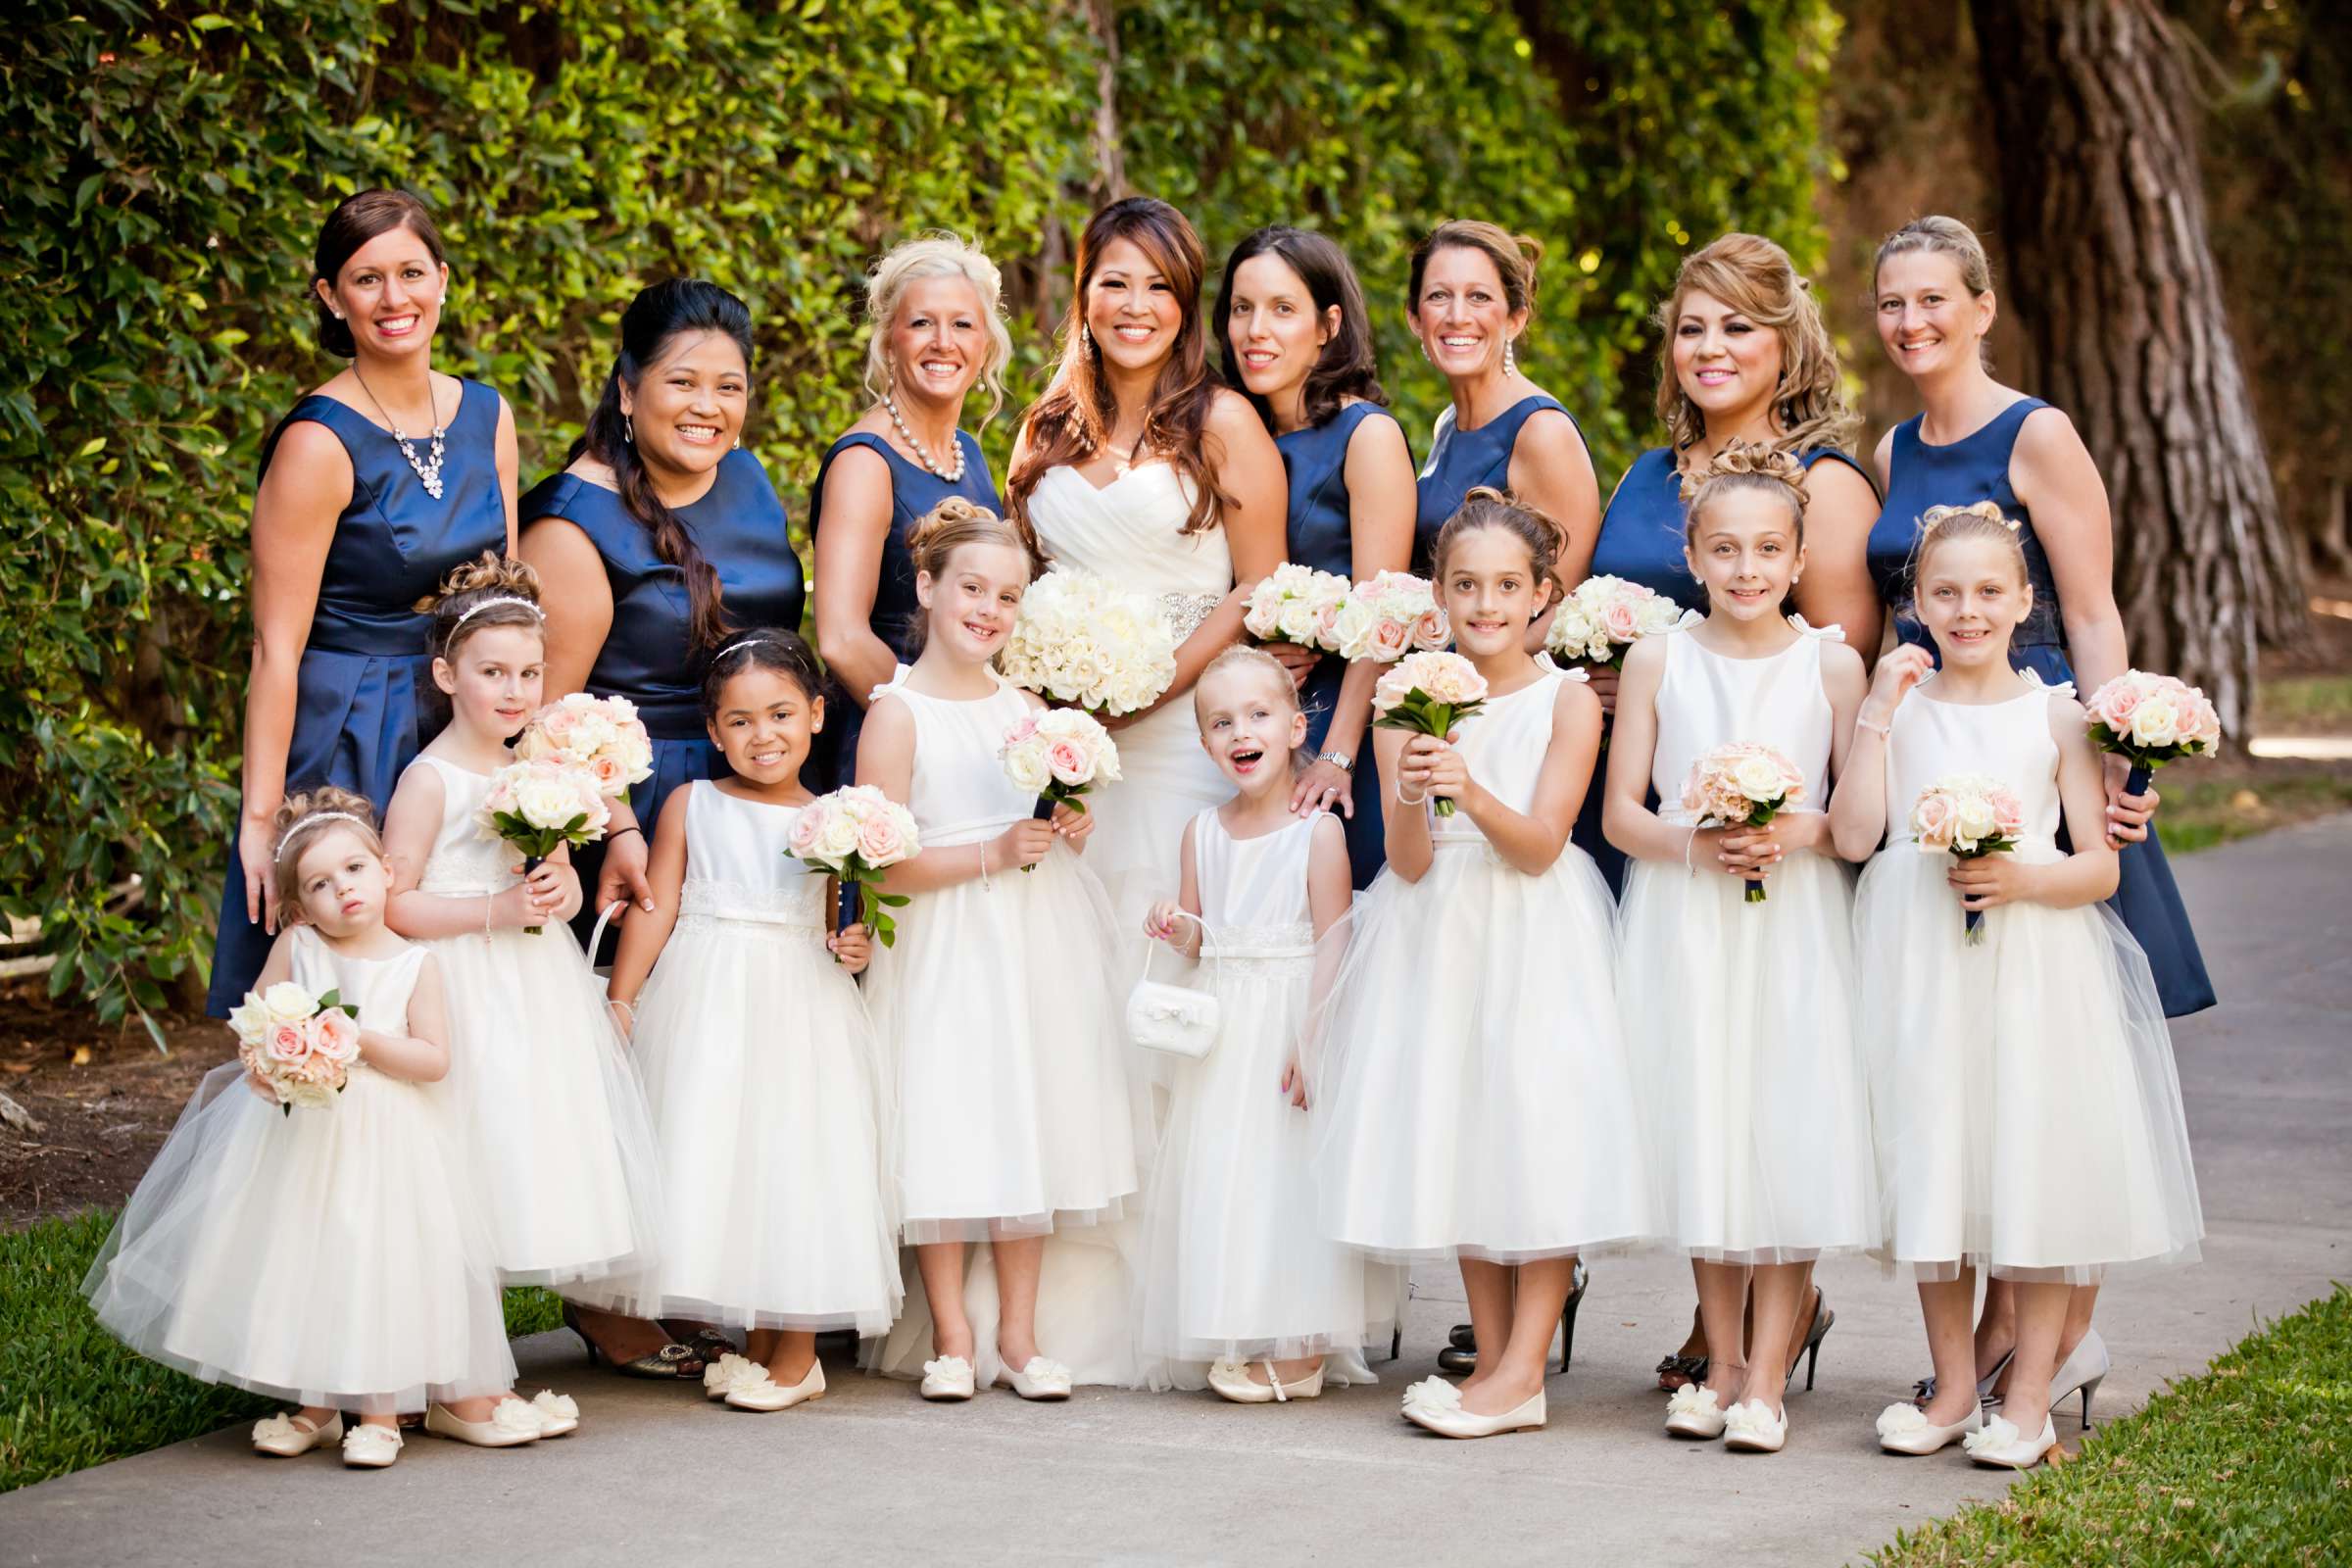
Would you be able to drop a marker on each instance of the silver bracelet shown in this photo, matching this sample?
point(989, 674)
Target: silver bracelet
point(985, 885)
point(1887, 731)
point(1690, 841)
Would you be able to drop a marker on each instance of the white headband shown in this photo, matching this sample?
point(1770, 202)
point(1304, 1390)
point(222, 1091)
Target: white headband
point(748, 642)
point(503, 599)
point(305, 820)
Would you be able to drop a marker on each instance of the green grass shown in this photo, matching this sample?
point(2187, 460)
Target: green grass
point(2250, 1462)
point(2305, 702)
point(71, 1395)
point(2204, 807)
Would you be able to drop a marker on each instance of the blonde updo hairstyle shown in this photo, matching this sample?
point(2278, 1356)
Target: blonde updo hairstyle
point(1982, 521)
point(1249, 656)
point(1937, 235)
point(1486, 506)
point(1745, 467)
point(1516, 259)
point(1756, 279)
point(490, 590)
point(936, 253)
point(949, 526)
point(301, 820)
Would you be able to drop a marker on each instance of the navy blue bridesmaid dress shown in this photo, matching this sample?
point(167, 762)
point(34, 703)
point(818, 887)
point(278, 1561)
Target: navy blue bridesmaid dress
point(914, 491)
point(364, 703)
point(1461, 460)
point(1641, 540)
point(648, 656)
point(1975, 468)
point(1316, 461)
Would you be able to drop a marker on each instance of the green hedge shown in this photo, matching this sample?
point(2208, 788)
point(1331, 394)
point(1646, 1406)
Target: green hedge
point(169, 166)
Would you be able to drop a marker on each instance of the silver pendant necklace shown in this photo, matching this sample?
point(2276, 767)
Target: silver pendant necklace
point(427, 470)
point(922, 453)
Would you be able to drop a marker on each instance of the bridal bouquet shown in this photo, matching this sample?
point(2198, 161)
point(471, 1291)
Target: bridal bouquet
point(1428, 693)
point(1298, 605)
point(1090, 643)
point(536, 805)
point(602, 734)
point(857, 833)
point(2150, 720)
point(1389, 616)
point(1967, 816)
point(1057, 756)
point(1605, 616)
point(300, 1044)
point(1742, 784)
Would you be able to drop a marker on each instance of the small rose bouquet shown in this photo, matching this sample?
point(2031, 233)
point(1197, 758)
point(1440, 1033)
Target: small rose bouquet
point(1389, 616)
point(856, 834)
point(1299, 605)
point(2150, 720)
point(300, 1044)
point(1606, 615)
point(1428, 693)
point(1967, 816)
point(1089, 644)
point(602, 734)
point(1742, 784)
point(1057, 756)
point(536, 805)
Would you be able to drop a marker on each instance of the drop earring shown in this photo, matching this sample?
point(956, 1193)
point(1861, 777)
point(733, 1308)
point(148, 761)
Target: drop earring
point(629, 429)
point(1086, 336)
point(1511, 363)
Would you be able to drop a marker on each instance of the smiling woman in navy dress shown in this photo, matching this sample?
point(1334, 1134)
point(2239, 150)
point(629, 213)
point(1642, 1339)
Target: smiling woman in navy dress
point(371, 488)
point(938, 331)
point(1297, 341)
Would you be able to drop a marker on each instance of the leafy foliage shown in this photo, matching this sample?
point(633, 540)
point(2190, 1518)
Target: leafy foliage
point(171, 164)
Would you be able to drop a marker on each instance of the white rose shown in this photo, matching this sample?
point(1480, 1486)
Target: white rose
point(2157, 721)
point(1977, 819)
point(546, 801)
point(837, 837)
point(1297, 622)
point(288, 1003)
point(1026, 766)
point(250, 1018)
point(1759, 778)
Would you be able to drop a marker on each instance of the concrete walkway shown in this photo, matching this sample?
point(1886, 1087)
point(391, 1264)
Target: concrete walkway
point(656, 1477)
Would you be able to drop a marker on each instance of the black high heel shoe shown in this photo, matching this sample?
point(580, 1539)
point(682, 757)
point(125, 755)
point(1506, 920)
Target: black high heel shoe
point(669, 1363)
point(1460, 1354)
point(1809, 1353)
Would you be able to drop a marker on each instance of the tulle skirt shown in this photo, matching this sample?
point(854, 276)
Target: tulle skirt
point(1005, 1057)
point(1085, 1310)
point(329, 1257)
point(1750, 1073)
point(1237, 1266)
point(763, 1075)
point(2025, 1107)
point(1475, 1098)
point(553, 1110)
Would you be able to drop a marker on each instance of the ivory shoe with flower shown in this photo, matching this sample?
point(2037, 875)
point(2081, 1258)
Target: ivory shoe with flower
point(1904, 1428)
point(1453, 1421)
point(1436, 1392)
point(766, 1394)
point(2002, 1446)
point(559, 1413)
point(729, 1371)
point(371, 1448)
point(949, 1378)
point(512, 1423)
point(1232, 1381)
point(287, 1435)
point(1754, 1426)
point(1037, 1378)
point(1695, 1411)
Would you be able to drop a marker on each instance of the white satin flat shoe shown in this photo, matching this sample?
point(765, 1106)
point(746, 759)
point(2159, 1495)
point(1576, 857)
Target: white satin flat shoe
point(1447, 1419)
point(727, 1371)
point(1695, 1411)
point(1754, 1426)
point(512, 1423)
point(2000, 1447)
point(1040, 1379)
point(287, 1435)
point(559, 1413)
point(766, 1394)
point(949, 1378)
point(367, 1447)
point(1232, 1381)
point(1904, 1428)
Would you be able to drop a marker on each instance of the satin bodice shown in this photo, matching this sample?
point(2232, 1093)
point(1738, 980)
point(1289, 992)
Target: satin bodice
point(1503, 745)
point(1315, 462)
point(465, 860)
point(1706, 700)
point(914, 491)
point(1461, 460)
point(1641, 531)
point(648, 654)
point(2008, 741)
point(377, 989)
point(736, 867)
point(1252, 891)
point(1960, 473)
point(1131, 532)
point(959, 793)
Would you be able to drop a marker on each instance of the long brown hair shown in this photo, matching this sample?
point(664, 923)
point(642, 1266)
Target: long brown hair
point(1755, 277)
point(1072, 421)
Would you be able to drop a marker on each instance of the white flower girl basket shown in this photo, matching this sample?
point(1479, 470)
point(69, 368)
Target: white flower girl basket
point(1176, 1019)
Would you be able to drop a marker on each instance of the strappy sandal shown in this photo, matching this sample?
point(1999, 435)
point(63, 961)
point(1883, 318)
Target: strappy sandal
point(667, 1364)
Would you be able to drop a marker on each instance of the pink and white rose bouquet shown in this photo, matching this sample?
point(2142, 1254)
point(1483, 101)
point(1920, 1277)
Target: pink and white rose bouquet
point(1090, 643)
point(602, 734)
point(1293, 603)
point(1606, 616)
point(1968, 816)
point(1057, 756)
point(1387, 616)
point(301, 1046)
point(2150, 720)
point(1742, 784)
point(856, 834)
point(1429, 694)
point(536, 805)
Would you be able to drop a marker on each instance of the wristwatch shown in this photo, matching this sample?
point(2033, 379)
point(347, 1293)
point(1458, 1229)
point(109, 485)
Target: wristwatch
point(1341, 760)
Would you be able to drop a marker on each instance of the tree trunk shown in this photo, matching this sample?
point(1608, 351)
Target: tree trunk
point(2103, 230)
point(1110, 159)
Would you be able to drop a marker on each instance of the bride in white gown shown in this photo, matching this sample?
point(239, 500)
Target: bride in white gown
point(1137, 466)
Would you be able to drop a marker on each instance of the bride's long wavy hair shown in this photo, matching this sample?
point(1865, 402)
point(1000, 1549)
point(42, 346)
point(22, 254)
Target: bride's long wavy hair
point(1073, 421)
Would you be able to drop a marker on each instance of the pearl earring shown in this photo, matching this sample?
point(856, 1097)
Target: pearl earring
point(1510, 364)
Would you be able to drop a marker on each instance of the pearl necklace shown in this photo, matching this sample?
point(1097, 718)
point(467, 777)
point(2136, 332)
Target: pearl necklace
point(952, 476)
point(428, 470)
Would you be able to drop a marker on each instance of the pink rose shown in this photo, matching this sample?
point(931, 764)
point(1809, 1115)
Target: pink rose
point(1068, 762)
point(288, 1043)
point(804, 829)
point(2008, 814)
point(1021, 731)
point(1432, 630)
point(559, 724)
point(1620, 621)
point(338, 1036)
point(879, 841)
point(1935, 821)
point(1389, 640)
point(612, 774)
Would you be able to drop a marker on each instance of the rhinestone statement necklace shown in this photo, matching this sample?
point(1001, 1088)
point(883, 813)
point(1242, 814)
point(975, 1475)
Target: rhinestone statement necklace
point(427, 470)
